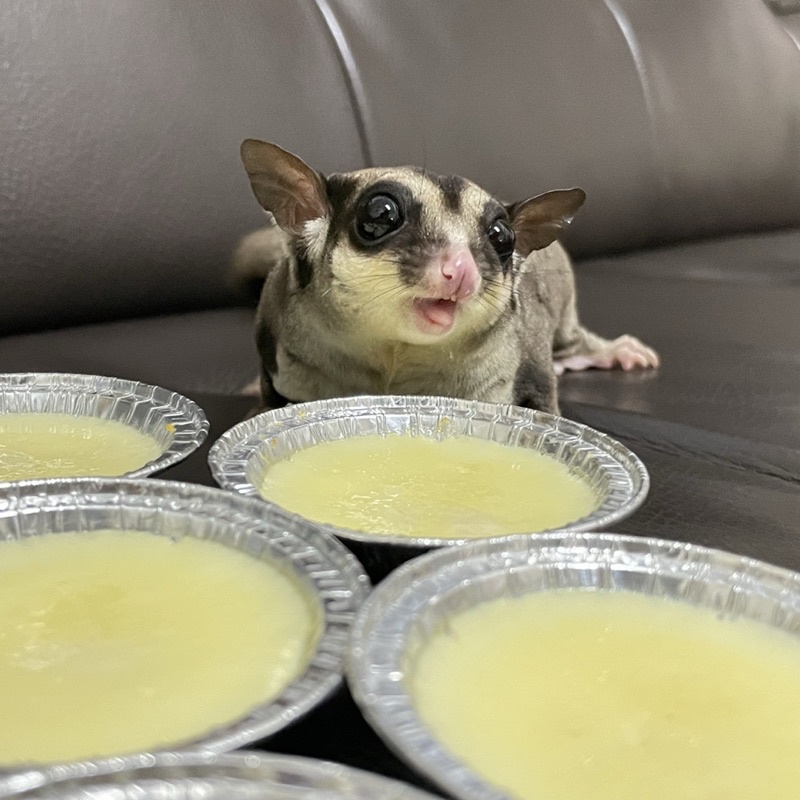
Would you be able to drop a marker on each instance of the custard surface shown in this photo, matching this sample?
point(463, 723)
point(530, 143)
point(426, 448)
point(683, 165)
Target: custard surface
point(460, 487)
point(47, 445)
point(565, 695)
point(112, 642)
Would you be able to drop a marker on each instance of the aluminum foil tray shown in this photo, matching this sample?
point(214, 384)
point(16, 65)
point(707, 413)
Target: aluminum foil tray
point(231, 776)
point(413, 603)
point(241, 456)
point(330, 573)
point(175, 422)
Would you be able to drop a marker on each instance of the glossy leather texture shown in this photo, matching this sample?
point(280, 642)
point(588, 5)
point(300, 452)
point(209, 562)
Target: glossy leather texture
point(120, 125)
point(120, 122)
point(679, 119)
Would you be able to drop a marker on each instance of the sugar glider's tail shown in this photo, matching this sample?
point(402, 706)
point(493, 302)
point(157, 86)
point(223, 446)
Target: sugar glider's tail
point(255, 256)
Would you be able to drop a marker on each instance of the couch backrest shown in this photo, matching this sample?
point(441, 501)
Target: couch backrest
point(121, 191)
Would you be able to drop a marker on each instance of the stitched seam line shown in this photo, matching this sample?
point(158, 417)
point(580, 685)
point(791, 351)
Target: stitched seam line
point(624, 24)
point(355, 88)
point(795, 39)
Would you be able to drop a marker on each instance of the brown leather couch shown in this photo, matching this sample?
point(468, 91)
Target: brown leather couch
point(122, 197)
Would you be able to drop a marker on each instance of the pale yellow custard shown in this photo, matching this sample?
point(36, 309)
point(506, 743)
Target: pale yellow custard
point(113, 642)
point(460, 487)
point(601, 695)
point(49, 445)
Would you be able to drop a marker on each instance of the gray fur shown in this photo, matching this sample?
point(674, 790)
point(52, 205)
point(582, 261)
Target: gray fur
point(315, 344)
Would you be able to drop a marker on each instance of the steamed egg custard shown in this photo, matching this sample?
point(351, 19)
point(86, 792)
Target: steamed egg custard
point(113, 642)
point(459, 487)
point(579, 694)
point(49, 445)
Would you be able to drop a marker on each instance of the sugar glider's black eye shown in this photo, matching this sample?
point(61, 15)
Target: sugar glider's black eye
point(378, 216)
point(502, 238)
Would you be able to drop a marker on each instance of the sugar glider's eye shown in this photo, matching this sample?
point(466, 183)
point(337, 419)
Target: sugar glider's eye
point(378, 216)
point(502, 238)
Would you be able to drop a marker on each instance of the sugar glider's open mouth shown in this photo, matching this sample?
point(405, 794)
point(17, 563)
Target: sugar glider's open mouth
point(435, 314)
point(450, 280)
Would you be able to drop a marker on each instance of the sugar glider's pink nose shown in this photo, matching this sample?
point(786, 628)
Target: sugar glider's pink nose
point(459, 273)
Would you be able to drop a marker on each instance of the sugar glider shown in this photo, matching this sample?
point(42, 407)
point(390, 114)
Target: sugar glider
point(399, 281)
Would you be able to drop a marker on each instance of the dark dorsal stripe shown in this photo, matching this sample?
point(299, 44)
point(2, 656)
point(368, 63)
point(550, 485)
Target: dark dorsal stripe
point(452, 187)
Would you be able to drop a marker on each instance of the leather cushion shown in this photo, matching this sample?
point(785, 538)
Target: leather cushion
point(203, 351)
point(120, 121)
point(679, 119)
point(723, 315)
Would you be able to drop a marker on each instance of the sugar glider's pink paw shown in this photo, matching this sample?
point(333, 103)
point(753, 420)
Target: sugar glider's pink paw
point(626, 352)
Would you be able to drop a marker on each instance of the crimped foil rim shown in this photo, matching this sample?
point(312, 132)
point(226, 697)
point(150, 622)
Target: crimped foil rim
point(231, 453)
point(732, 585)
point(189, 420)
point(327, 568)
point(124, 776)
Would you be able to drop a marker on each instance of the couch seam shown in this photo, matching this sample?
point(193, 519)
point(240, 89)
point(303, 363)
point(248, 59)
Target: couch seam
point(626, 28)
point(792, 37)
point(355, 88)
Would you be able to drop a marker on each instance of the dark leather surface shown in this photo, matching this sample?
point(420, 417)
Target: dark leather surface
point(725, 317)
point(205, 351)
point(120, 121)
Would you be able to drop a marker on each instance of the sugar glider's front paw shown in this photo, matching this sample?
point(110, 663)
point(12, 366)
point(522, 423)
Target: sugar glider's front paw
point(626, 352)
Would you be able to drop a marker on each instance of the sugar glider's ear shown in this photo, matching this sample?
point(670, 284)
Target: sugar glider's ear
point(539, 221)
point(284, 185)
